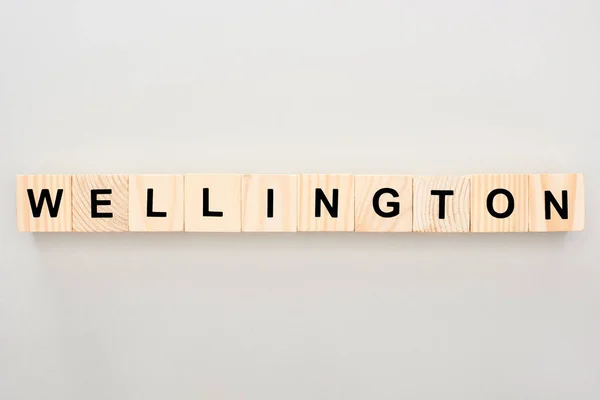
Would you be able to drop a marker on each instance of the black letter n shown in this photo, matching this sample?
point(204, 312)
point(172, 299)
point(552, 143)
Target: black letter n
point(36, 209)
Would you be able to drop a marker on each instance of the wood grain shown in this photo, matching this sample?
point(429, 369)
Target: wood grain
point(426, 207)
point(307, 185)
point(556, 183)
point(119, 203)
point(365, 217)
point(482, 186)
point(26, 222)
point(254, 203)
point(168, 197)
point(224, 196)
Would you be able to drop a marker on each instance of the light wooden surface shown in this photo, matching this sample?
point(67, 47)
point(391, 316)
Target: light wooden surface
point(307, 222)
point(254, 203)
point(224, 196)
point(168, 197)
point(26, 222)
point(482, 220)
point(426, 207)
point(556, 183)
point(119, 203)
point(365, 217)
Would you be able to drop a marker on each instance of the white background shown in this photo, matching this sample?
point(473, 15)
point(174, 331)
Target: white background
point(391, 87)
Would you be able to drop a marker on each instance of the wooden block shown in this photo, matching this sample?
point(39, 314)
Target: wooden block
point(100, 203)
point(326, 203)
point(441, 204)
point(213, 203)
point(44, 203)
point(499, 203)
point(383, 203)
point(556, 203)
point(156, 203)
point(269, 203)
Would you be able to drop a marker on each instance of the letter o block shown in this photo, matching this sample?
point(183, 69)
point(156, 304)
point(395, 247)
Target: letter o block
point(499, 203)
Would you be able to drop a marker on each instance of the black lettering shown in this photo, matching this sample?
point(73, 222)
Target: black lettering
point(394, 212)
point(206, 205)
point(269, 203)
point(53, 207)
point(320, 197)
point(549, 199)
point(95, 203)
point(442, 194)
point(149, 206)
point(490, 203)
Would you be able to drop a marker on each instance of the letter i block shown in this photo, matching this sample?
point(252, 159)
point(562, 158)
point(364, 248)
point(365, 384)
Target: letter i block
point(499, 203)
point(441, 204)
point(556, 203)
point(44, 203)
point(269, 203)
point(326, 203)
point(156, 203)
point(213, 203)
point(100, 203)
point(383, 203)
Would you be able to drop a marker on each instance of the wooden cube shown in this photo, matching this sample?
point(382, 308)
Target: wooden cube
point(556, 203)
point(499, 203)
point(326, 203)
point(44, 203)
point(213, 203)
point(383, 203)
point(269, 203)
point(156, 203)
point(441, 204)
point(100, 203)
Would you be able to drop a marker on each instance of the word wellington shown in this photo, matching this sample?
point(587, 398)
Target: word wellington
point(300, 203)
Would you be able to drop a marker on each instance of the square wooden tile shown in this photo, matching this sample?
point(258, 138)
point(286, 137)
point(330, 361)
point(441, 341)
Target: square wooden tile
point(315, 193)
point(499, 203)
point(548, 191)
point(100, 203)
point(383, 203)
point(156, 203)
point(213, 203)
point(269, 203)
point(441, 203)
point(44, 203)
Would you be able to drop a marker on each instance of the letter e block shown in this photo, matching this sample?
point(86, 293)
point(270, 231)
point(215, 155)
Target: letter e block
point(383, 203)
point(156, 203)
point(326, 203)
point(44, 203)
point(499, 203)
point(556, 203)
point(441, 204)
point(100, 203)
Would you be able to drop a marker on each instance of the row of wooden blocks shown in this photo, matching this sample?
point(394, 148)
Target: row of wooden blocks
point(305, 203)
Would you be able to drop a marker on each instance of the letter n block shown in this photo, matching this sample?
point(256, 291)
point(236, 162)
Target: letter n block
point(556, 203)
point(441, 204)
point(156, 203)
point(100, 203)
point(383, 203)
point(44, 203)
point(213, 203)
point(326, 203)
point(499, 203)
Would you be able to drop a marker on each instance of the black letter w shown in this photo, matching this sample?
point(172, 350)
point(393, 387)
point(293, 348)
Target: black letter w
point(36, 209)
